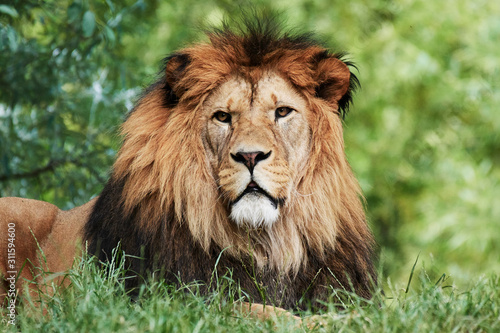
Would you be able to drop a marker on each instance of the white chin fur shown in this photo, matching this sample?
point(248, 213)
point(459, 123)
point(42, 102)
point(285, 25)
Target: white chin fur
point(254, 211)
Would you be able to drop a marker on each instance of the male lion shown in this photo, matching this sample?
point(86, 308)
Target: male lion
point(234, 156)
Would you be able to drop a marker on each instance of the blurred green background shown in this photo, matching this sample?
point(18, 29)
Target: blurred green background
point(423, 136)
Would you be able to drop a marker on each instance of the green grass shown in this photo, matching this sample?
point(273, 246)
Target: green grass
point(98, 302)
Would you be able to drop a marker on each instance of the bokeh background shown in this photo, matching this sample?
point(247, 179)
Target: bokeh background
point(423, 136)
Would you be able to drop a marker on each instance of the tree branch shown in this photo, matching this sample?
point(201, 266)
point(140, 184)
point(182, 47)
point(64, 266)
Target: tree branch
point(50, 167)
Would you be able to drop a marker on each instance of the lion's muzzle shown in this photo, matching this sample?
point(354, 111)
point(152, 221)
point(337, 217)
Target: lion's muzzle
point(254, 207)
point(250, 159)
point(254, 189)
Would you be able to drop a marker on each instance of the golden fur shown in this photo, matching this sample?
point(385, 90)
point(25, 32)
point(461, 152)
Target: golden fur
point(176, 178)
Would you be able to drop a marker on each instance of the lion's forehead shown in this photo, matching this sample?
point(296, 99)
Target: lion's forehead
point(275, 90)
point(240, 94)
point(234, 94)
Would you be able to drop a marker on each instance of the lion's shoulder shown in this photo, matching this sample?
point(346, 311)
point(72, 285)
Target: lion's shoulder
point(39, 237)
point(39, 214)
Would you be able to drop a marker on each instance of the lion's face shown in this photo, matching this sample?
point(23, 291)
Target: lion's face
point(241, 142)
point(257, 139)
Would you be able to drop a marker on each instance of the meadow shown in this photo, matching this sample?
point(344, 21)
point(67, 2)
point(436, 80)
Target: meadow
point(97, 301)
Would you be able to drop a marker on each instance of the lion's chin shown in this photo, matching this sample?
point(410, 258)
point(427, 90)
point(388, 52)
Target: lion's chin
point(254, 211)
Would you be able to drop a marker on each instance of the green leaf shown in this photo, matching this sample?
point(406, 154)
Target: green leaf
point(88, 24)
point(11, 39)
point(110, 35)
point(9, 11)
point(74, 11)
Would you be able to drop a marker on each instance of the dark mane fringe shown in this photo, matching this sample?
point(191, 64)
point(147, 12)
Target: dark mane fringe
point(354, 84)
point(262, 34)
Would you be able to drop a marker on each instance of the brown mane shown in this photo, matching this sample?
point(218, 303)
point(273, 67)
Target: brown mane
point(162, 201)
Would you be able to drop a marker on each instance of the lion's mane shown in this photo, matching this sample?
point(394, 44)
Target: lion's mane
point(162, 202)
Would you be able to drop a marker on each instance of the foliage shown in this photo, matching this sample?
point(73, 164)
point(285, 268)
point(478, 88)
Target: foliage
point(423, 135)
point(63, 75)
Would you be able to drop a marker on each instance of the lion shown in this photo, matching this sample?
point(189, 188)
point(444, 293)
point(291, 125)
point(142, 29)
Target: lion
point(233, 161)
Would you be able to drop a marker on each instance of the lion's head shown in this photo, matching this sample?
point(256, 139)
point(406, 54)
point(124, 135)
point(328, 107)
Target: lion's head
point(241, 144)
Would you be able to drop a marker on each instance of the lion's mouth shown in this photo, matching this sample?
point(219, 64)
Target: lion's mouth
point(253, 189)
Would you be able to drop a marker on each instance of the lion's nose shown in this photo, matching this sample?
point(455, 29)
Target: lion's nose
point(250, 159)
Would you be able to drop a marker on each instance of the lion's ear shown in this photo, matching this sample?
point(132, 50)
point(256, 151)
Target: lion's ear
point(335, 82)
point(174, 71)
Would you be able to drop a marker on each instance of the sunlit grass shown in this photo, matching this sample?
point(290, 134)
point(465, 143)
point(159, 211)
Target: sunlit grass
point(97, 301)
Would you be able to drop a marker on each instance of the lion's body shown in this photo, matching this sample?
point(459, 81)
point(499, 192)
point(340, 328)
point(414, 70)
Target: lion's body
point(36, 227)
point(236, 157)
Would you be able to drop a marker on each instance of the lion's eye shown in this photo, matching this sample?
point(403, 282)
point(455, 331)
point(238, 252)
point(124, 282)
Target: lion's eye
point(283, 112)
point(223, 117)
